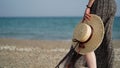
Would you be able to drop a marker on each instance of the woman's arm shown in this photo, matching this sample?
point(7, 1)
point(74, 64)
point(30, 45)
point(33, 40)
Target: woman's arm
point(90, 3)
point(87, 10)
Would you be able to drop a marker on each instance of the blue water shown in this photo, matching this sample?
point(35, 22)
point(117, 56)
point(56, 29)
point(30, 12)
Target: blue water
point(44, 28)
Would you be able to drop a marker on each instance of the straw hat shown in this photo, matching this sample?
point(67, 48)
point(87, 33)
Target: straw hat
point(88, 35)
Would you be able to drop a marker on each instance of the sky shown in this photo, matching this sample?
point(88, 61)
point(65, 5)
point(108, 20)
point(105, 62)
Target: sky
point(44, 8)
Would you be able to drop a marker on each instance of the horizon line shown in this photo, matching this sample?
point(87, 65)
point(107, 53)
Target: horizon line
point(40, 16)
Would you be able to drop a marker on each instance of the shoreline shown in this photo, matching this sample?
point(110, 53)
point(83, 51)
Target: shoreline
point(13, 40)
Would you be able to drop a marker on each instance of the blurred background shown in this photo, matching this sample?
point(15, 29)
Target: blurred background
point(44, 19)
point(29, 30)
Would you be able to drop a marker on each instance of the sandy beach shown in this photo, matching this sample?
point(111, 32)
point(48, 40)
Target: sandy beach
point(39, 53)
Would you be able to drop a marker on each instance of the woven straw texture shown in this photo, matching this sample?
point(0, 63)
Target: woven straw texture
point(97, 36)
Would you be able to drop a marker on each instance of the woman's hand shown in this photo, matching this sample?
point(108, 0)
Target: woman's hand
point(87, 14)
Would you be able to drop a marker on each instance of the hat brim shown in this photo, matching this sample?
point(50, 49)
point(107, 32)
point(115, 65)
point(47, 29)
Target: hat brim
point(98, 33)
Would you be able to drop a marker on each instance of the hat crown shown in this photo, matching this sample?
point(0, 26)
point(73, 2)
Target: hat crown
point(83, 33)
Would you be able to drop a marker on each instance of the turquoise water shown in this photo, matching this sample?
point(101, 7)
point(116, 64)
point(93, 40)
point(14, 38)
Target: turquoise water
point(44, 28)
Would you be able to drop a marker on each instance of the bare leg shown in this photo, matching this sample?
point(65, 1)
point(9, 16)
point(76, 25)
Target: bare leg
point(91, 59)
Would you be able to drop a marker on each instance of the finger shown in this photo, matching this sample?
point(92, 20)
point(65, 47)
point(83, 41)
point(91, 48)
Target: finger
point(83, 18)
point(87, 17)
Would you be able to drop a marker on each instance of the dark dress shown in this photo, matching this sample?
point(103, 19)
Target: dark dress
point(106, 10)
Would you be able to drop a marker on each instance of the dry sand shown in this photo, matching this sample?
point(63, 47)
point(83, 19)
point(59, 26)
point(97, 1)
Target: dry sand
point(39, 53)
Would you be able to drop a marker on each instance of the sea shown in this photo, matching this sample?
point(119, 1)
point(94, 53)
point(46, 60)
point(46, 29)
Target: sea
point(45, 28)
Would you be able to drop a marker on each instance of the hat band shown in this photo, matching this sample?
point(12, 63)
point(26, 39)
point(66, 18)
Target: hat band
point(81, 44)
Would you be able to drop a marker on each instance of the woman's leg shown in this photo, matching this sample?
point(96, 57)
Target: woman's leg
point(91, 59)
